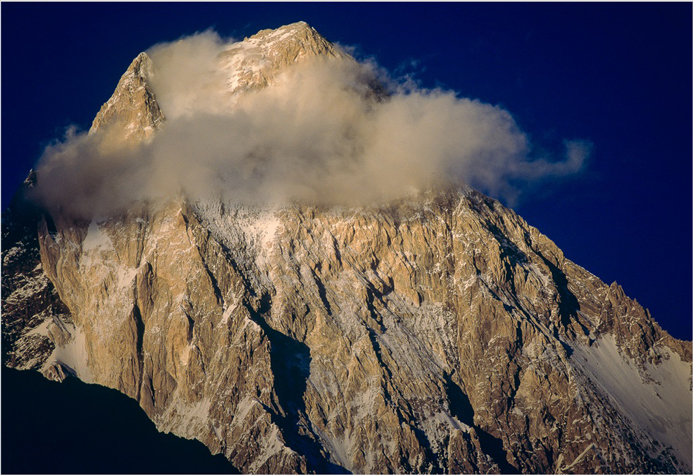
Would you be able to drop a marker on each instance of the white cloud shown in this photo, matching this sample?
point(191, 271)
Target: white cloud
point(314, 135)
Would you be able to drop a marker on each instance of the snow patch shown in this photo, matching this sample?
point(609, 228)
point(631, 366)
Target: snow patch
point(228, 312)
point(270, 446)
point(647, 399)
point(188, 420)
point(244, 407)
point(96, 238)
point(125, 276)
point(73, 356)
point(41, 330)
point(263, 229)
point(339, 449)
point(247, 231)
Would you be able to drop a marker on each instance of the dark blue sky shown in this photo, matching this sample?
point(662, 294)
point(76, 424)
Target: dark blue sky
point(617, 75)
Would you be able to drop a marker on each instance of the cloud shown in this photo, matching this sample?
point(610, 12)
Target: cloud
point(186, 79)
point(317, 134)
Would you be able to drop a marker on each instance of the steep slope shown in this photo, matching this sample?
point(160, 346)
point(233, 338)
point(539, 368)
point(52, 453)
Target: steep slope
point(33, 314)
point(377, 340)
point(438, 333)
point(255, 62)
point(132, 113)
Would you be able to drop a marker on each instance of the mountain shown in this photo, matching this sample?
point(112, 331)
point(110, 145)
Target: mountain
point(438, 332)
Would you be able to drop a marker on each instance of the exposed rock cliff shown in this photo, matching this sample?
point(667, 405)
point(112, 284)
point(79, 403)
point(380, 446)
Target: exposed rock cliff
point(30, 304)
point(439, 333)
point(132, 113)
point(254, 62)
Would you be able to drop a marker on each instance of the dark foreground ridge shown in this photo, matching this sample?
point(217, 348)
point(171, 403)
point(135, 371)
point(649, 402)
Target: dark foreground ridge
point(92, 429)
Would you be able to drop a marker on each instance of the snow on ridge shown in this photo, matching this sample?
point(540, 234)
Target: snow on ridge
point(11, 253)
point(248, 63)
point(186, 419)
point(264, 229)
point(646, 395)
point(231, 225)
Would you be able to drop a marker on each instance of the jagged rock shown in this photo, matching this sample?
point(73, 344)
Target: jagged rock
point(254, 63)
point(58, 334)
point(54, 372)
point(132, 113)
point(378, 340)
point(439, 333)
point(29, 299)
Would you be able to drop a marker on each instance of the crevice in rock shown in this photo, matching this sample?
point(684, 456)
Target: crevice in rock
point(213, 280)
point(462, 409)
point(371, 295)
point(290, 361)
point(191, 328)
point(425, 444)
point(322, 292)
point(493, 447)
point(139, 339)
point(373, 337)
point(508, 248)
point(568, 304)
point(50, 224)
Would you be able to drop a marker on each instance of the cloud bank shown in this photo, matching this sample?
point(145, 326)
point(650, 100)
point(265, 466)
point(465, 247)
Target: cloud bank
point(318, 134)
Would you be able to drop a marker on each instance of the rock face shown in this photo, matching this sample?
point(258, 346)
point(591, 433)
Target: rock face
point(439, 333)
point(254, 62)
point(30, 302)
point(132, 113)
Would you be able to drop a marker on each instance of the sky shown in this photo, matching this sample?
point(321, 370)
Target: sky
point(615, 76)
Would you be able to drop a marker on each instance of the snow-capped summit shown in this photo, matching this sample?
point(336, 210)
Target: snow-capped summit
point(134, 112)
point(253, 62)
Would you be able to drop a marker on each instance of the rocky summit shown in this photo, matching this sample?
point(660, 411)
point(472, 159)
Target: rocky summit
point(435, 333)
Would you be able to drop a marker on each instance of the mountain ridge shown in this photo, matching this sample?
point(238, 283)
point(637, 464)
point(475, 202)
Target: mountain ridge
point(437, 333)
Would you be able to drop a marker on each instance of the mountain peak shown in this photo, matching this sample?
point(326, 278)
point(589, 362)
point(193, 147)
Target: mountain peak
point(437, 333)
point(134, 114)
point(132, 109)
point(140, 67)
point(290, 29)
point(298, 37)
point(255, 61)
